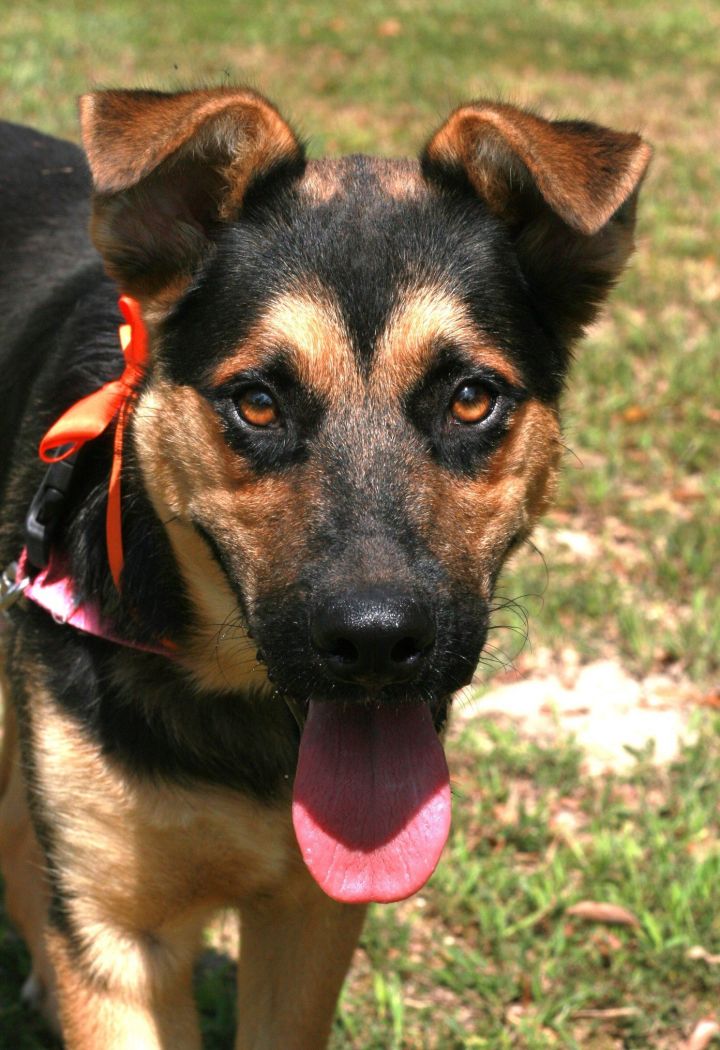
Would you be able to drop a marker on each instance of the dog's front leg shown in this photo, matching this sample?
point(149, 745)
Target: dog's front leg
point(21, 864)
point(295, 951)
point(154, 1012)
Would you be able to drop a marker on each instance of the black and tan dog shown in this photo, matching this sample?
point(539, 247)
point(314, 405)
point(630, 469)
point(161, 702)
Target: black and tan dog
point(347, 419)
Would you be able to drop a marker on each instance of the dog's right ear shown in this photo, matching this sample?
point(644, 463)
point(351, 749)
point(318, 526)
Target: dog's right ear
point(167, 168)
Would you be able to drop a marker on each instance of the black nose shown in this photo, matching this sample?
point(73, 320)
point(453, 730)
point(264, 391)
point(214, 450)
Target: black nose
point(374, 637)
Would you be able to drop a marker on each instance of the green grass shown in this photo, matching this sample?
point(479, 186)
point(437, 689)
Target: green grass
point(487, 957)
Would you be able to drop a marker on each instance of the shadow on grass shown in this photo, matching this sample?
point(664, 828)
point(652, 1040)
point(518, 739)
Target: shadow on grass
point(20, 1026)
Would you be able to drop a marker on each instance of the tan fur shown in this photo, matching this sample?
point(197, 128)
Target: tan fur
point(174, 852)
point(468, 523)
point(472, 521)
point(306, 324)
point(219, 654)
point(400, 179)
point(576, 173)
point(427, 316)
point(23, 869)
point(95, 1016)
point(321, 182)
point(191, 473)
point(303, 942)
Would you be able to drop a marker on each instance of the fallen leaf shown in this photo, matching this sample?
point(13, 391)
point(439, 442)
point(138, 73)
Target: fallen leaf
point(389, 27)
point(698, 952)
point(635, 414)
point(599, 911)
point(703, 1034)
point(616, 1013)
point(685, 494)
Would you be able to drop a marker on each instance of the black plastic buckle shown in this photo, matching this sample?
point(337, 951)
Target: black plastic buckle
point(45, 510)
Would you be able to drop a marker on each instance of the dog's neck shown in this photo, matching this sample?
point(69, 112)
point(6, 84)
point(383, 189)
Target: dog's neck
point(151, 605)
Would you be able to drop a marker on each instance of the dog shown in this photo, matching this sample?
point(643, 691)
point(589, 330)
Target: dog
point(261, 559)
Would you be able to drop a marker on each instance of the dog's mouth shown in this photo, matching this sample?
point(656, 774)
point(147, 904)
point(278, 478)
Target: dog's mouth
point(371, 802)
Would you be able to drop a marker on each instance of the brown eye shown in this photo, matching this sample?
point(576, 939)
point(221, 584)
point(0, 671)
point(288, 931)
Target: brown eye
point(472, 403)
point(257, 407)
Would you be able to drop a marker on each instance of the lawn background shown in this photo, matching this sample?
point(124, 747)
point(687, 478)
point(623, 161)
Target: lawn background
point(625, 567)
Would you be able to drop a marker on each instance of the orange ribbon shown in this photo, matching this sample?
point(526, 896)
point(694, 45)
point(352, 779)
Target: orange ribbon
point(91, 416)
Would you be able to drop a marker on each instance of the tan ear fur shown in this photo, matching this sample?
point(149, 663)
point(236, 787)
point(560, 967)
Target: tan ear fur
point(167, 167)
point(583, 172)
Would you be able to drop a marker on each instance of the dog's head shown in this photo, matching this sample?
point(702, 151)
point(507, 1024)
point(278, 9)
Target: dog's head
point(351, 417)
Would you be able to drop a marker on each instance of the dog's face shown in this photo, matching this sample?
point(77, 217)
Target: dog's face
point(364, 435)
point(352, 414)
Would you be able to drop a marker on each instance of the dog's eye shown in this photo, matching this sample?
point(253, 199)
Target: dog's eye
point(472, 403)
point(257, 407)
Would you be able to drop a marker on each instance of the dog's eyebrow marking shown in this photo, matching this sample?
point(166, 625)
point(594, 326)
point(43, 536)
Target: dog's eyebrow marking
point(400, 179)
point(321, 182)
point(427, 315)
point(308, 327)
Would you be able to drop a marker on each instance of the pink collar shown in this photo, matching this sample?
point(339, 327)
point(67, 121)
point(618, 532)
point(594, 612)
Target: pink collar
point(52, 590)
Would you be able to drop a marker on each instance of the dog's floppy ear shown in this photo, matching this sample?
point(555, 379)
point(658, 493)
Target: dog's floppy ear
point(566, 189)
point(167, 168)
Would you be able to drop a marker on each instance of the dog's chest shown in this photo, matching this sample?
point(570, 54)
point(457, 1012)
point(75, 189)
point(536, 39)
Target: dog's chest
point(165, 850)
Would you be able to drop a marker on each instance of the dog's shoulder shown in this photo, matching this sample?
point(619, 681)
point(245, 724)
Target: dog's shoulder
point(44, 216)
point(41, 177)
point(58, 317)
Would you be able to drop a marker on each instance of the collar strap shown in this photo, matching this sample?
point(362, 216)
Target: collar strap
point(91, 416)
point(52, 590)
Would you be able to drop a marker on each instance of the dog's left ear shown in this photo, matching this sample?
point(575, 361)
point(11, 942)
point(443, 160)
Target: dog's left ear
point(566, 189)
point(168, 168)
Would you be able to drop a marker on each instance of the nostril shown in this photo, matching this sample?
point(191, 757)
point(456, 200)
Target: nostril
point(405, 651)
point(343, 651)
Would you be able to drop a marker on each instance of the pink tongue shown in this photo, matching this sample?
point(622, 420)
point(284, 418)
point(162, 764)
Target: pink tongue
point(371, 805)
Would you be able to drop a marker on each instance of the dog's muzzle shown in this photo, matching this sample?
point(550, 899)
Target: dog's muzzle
point(373, 638)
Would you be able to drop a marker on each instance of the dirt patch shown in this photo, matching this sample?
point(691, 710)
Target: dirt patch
point(612, 715)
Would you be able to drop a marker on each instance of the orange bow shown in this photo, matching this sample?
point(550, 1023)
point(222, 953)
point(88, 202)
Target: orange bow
point(91, 416)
